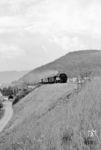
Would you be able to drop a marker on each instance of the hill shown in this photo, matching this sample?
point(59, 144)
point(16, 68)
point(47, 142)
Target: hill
point(58, 116)
point(73, 64)
point(30, 111)
point(50, 118)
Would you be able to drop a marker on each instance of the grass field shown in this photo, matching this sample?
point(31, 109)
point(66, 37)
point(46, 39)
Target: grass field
point(31, 110)
point(56, 120)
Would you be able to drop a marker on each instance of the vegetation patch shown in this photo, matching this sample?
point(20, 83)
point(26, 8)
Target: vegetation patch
point(90, 142)
point(20, 95)
point(69, 95)
point(1, 113)
point(66, 138)
point(24, 143)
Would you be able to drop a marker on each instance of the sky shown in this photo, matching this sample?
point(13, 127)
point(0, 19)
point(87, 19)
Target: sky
point(35, 32)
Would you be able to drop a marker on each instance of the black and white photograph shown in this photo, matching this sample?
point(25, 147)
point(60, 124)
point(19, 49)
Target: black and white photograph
point(50, 74)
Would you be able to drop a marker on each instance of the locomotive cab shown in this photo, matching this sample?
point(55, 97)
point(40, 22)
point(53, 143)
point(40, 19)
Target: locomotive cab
point(63, 77)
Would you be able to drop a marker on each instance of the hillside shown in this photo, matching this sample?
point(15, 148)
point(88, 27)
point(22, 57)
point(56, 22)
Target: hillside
point(29, 111)
point(73, 64)
point(49, 119)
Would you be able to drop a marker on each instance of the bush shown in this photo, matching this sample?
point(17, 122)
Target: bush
point(1, 105)
point(20, 95)
point(6, 91)
point(89, 141)
point(67, 137)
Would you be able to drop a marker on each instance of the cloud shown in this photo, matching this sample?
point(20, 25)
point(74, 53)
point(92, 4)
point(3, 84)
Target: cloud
point(12, 57)
point(71, 16)
point(15, 7)
point(40, 31)
point(9, 22)
point(70, 43)
point(10, 52)
point(52, 16)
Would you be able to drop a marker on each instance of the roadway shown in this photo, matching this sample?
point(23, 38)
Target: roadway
point(7, 115)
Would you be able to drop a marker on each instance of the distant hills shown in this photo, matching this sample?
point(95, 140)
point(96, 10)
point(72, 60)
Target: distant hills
point(8, 76)
point(72, 63)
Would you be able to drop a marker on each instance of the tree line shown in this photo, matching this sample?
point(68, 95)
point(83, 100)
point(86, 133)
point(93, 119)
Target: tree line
point(6, 91)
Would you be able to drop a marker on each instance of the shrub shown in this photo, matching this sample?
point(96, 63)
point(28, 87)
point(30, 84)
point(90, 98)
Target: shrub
point(20, 95)
point(89, 141)
point(6, 91)
point(1, 105)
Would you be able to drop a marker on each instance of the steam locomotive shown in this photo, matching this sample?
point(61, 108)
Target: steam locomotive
point(59, 78)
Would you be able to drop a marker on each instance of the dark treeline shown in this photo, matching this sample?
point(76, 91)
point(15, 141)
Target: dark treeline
point(20, 95)
point(6, 91)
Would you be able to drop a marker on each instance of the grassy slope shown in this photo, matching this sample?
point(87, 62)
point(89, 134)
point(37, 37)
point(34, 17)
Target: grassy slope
point(39, 101)
point(65, 125)
point(73, 64)
point(33, 107)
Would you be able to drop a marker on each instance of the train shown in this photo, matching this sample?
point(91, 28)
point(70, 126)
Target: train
point(59, 78)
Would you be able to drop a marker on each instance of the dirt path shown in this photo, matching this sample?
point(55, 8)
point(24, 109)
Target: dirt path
point(7, 115)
